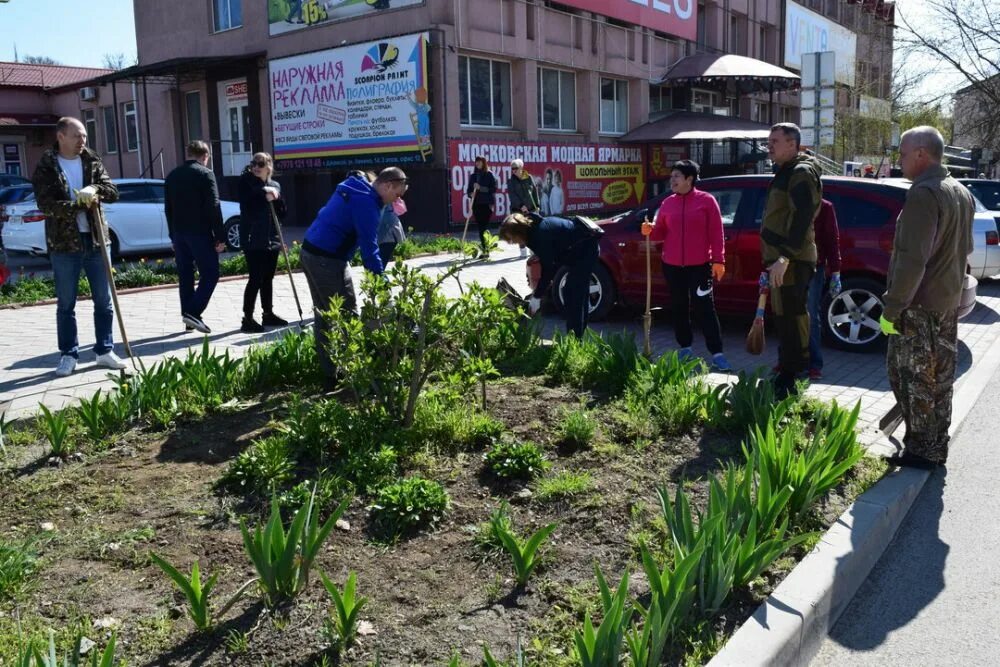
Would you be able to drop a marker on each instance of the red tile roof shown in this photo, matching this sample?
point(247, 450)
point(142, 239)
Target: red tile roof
point(24, 75)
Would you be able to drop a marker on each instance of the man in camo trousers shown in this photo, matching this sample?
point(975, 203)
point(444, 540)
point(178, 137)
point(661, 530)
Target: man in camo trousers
point(926, 274)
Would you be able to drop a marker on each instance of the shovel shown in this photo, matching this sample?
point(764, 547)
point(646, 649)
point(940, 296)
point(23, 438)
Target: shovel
point(102, 243)
point(647, 318)
point(891, 420)
point(288, 265)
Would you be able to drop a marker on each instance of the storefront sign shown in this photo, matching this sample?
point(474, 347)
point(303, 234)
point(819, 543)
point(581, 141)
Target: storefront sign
point(290, 15)
point(808, 32)
point(11, 152)
point(674, 17)
point(571, 178)
point(662, 158)
point(361, 104)
point(236, 92)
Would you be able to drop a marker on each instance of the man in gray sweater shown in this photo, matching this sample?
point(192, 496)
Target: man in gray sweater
point(926, 274)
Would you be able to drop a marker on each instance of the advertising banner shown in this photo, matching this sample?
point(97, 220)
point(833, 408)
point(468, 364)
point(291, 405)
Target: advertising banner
point(662, 158)
point(674, 17)
point(290, 15)
point(808, 32)
point(572, 179)
point(359, 104)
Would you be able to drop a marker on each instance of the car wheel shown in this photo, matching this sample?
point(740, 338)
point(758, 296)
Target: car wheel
point(233, 234)
point(602, 292)
point(852, 317)
point(116, 249)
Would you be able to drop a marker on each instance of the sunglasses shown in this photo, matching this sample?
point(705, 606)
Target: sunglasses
point(259, 163)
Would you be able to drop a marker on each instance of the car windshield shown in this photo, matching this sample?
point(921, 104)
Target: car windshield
point(9, 195)
point(987, 193)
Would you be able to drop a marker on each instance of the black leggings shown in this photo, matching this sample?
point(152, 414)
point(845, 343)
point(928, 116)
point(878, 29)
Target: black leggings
point(261, 265)
point(687, 284)
point(482, 214)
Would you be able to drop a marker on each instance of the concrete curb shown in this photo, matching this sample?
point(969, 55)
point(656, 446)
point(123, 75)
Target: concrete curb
point(789, 627)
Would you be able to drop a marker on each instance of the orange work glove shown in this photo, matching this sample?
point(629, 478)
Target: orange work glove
point(718, 271)
point(647, 228)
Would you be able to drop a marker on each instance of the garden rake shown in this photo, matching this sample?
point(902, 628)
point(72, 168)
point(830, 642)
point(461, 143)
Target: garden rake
point(475, 190)
point(755, 339)
point(102, 243)
point(288, 264)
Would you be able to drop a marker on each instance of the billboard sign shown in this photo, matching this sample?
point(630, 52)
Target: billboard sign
point(808, 32)
point(571, 179)
point(291, 15)
point(360, 104)
point(674, 17)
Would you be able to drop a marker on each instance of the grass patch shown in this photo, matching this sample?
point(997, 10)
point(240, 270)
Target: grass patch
point(565, 484)
point(18, 561)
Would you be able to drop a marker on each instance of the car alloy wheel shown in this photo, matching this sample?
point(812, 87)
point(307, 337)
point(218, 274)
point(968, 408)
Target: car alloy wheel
point(853, 317)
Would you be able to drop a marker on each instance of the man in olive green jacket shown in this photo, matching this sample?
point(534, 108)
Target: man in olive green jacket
point(70, 182)
point(926, 274)
point(788, 248)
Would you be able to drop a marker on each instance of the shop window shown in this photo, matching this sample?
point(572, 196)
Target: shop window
point(484, 92)
point(556, 99)
point(131, 126)
point(228, 14)
point(614, 106)
point(90, 124)
point(192, 107)
point(110, 133)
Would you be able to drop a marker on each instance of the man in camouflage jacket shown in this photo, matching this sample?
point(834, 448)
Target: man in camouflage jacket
point(788, 247)
point(926, 275)
point(69, 184)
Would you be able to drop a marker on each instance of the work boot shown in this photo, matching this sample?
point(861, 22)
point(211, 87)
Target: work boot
point(271, 320)
point(250, 325)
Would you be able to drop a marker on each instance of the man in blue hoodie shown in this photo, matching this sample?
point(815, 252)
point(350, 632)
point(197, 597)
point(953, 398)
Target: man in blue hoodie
point(348, 221)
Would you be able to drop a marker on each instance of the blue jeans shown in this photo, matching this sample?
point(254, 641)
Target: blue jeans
point(817, 288)
point(66, 268)
point(192, 250)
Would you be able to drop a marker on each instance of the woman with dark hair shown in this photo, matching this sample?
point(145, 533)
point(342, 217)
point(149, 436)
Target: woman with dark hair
point(558, 242)
point(689, 223)
point(259, 240)
point(482, 188)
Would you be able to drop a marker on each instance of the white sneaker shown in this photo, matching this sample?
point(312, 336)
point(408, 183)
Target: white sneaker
point(66, 366)
point(110, 360)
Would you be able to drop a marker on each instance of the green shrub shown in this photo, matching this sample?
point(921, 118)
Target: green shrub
point(577, 429)
point(409, 505)
point(261, 469)
point(368, 469)
point(593, 362)
point(445, 423)
point(289, 361)
point(522, 460)
point(330, 490)
point(750, 402)
point(18, 561)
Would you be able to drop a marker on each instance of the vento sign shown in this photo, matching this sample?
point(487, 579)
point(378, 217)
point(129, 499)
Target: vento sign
point(808, 32)
point(674, 17)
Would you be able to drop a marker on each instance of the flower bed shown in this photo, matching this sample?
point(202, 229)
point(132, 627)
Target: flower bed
point(495, 494)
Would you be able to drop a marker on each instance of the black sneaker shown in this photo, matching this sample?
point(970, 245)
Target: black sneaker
point(272, 320)
point(250, 325)
point(908, 460)
point(195, 322)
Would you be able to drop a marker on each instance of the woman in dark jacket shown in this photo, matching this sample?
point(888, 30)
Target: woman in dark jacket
point(522, 192)
point(482, 188)
point(558, 242)
point(259, 239)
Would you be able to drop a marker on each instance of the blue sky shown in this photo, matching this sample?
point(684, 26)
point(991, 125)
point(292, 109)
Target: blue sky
point(72, 32)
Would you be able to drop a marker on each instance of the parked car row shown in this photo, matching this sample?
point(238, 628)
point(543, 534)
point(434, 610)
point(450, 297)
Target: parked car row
point(137, 221)
point(866, 213)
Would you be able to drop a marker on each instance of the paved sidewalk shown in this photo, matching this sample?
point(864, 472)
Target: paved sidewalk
point(28, 357)
point(931, 599)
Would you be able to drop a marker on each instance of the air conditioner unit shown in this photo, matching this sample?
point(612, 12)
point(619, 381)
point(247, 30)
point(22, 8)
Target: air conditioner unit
point(88, 94)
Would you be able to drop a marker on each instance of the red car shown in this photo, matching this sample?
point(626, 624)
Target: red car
point(866, 213)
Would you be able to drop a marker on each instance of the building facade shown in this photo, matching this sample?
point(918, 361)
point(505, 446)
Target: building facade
point(327, 86)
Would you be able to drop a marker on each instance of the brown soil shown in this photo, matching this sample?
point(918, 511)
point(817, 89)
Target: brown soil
point(428, 596)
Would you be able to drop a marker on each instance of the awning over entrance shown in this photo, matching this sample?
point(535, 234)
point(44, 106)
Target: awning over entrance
point(688, 125)
point(738, 73)
point(175, 70)
point(28, 119)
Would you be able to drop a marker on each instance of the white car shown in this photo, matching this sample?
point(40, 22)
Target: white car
point(137, 221)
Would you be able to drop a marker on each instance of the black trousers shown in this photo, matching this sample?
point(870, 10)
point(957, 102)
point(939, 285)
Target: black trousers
point(261, 265)
point(576, 294)
point(482, 213)
point(693, 284)
point(790, 305)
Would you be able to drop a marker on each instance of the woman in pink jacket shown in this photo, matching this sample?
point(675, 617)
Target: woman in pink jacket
point(694, 257)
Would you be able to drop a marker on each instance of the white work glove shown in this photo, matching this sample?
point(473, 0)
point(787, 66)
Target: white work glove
point(534, 305)
point(271, 193)
point(86, 196)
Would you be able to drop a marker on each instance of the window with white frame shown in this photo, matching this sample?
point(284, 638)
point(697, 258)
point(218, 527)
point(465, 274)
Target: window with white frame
point(110, 130)
point(556, 99)
point(90, 124)
point(228, 14)
point(131, 126)
point(758, 112)
point(704, 101)
point(614, 106)
point(483, 92)
point(192, 111)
